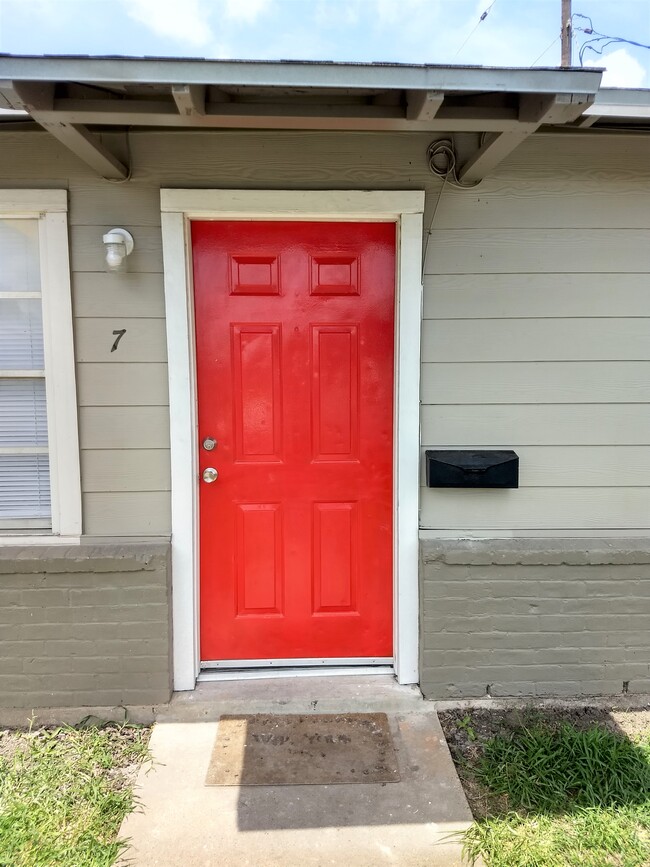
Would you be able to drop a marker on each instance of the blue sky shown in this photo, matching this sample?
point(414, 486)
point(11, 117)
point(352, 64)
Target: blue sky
point(514, 33)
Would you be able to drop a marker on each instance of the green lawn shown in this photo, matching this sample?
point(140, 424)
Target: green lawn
point(560, 796)
point(64, 793)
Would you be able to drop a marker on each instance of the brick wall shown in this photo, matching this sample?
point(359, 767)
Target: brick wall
point(84, 625)
point(535, 617)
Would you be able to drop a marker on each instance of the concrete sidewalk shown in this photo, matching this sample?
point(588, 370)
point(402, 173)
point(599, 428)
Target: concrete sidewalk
point(183, 823)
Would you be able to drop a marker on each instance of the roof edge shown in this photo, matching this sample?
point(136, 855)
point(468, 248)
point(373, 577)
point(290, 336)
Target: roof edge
point(284, 73)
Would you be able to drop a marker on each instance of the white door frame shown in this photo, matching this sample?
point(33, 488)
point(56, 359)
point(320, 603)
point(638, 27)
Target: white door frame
point(404, 208)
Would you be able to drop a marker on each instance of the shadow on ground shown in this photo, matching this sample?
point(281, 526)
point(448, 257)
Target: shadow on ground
point(426, 793)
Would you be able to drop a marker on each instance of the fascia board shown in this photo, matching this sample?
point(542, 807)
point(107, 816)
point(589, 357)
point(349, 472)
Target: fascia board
point(457, 79)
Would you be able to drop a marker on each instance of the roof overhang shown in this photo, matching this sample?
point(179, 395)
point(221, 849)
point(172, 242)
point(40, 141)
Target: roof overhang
point(69, 95)
point(618, 107)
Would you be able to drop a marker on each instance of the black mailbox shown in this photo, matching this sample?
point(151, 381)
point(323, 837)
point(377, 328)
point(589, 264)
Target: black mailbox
point(472, 469)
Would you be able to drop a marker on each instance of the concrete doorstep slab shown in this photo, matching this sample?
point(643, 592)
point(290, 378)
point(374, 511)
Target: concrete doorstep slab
point(183, 823)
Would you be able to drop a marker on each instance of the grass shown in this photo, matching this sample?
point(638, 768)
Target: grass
point(562, 797)
point(64, 793)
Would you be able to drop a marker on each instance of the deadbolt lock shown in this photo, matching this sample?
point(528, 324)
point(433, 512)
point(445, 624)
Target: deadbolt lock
point(209, 443)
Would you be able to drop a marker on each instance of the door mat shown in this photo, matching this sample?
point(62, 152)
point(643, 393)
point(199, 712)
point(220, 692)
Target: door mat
point(303, 750)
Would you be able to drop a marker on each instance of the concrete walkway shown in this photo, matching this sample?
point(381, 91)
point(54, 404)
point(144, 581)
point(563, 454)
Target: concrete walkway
point(183, 823)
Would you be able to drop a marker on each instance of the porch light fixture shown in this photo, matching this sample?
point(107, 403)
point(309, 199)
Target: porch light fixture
point(119, 245)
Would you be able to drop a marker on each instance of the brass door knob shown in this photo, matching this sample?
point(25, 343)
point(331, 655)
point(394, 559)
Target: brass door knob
point(210, 475)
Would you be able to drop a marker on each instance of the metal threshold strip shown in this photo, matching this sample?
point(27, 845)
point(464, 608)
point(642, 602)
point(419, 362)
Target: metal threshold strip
point(249, 669)
point(309, 662)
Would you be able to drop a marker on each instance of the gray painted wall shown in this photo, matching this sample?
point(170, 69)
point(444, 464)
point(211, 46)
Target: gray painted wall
point(84, 625)
point(538, 617)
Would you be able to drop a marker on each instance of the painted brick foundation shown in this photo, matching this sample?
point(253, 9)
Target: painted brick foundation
point(85, 625)
point(528, 617)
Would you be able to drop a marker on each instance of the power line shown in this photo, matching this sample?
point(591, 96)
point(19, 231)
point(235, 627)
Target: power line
point(600, 41)
point(484, 15)
point(557, 39)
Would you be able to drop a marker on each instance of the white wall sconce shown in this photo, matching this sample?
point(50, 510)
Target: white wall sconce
point(119, 245)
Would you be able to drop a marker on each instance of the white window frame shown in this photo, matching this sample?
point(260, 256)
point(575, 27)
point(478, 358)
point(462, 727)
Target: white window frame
point(50, 208)
point(405, 209)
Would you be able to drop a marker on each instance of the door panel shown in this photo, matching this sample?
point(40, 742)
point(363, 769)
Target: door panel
point(335, 392)
point(294, 333)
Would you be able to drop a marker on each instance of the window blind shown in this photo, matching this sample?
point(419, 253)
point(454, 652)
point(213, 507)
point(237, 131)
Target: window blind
point(21, 333)
point(24, 462)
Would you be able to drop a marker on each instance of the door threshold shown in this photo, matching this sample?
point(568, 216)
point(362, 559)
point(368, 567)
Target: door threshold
point(211, 675)
point(298, 662)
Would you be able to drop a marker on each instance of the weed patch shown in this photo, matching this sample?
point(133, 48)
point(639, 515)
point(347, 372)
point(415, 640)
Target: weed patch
point(547, 793)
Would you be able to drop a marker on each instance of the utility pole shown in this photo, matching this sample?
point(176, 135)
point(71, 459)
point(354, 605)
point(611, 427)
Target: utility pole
point(566, 33)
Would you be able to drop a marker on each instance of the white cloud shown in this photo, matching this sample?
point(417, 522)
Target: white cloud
point(183, 20)
point(347, 13)
point(246, 10)
point(43, 11)
point(220, 51)
point(395, 11)
point(622, 70)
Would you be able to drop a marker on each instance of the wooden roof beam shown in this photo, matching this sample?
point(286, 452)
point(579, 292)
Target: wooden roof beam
point(38, 100)
point(495, 148)
point(560, 108)
point(246, 115)
point(534, 111)
point(423, 104)
point(189, 99)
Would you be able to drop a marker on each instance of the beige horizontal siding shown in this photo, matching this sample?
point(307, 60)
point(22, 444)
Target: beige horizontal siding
point(283, 160)
point(536, 382)
point(87, 250)
point(536, 301)
point(557, 203)
point(516, 296)
point(123, 384)
point(538, 508)
point(140, 513)
point(123, 396)
point(96, 203)
point(537, 338)
point(111, 470)
point(525, 251)
point(32, 159)
point(548, 162)
point(96, 294)
point(143, 340)
point(506, 426)
point(124, 427)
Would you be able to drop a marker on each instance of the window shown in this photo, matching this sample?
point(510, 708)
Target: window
point(39, 452)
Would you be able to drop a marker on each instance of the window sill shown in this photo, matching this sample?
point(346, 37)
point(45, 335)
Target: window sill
point(31, 538)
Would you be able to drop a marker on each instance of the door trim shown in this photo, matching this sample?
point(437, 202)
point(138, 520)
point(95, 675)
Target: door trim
point(405, 209)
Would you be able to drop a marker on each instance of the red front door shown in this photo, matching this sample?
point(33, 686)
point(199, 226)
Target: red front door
point(294, 333)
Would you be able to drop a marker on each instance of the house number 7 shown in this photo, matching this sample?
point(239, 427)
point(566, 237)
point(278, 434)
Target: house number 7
point(120, 334)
